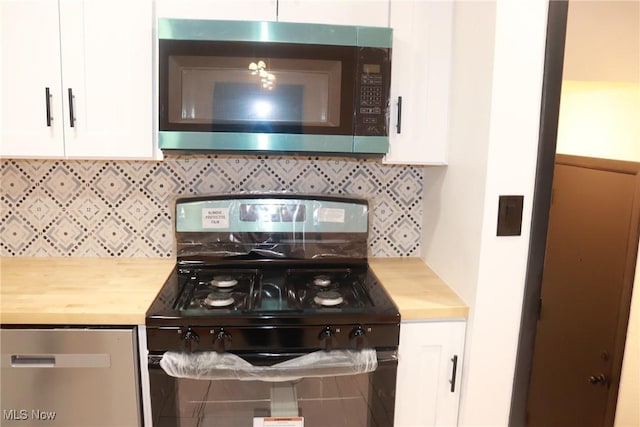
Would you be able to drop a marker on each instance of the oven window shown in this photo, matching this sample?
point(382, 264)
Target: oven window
point(270, 87)
point(362, 400)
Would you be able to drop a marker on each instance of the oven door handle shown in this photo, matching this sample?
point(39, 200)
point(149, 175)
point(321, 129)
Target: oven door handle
point(387, 356)
point(268, 359)
point(229, 366)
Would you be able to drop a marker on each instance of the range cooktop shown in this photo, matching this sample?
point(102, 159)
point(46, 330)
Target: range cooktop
point(263, 272)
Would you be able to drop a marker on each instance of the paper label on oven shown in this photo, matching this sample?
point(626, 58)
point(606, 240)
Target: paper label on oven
point(215, 217)
point(331, 215)
point(278, 422)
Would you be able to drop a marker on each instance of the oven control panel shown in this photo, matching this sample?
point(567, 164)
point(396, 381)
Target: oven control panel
point(357, 336)
point(248, 338)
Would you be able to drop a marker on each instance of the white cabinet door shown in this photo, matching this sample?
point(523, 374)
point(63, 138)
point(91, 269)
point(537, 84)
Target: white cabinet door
point(30, 55)
point(421, 76)
point(95, 57)
point(240, 10)
point(429, 371)
point(107, 66)
point(372, 13)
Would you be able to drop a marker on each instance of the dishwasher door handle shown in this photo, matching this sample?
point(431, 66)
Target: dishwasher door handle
point(63, 360)
point(32, 361)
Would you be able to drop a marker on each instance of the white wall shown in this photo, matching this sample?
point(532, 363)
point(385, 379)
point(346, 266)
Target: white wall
point(628, 409)
point(453, 196)
point(603, 40)
point(602, 119)
point(493, 151)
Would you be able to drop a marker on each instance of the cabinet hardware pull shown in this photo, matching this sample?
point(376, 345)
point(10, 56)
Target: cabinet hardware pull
point(72, 118)
point(29, 361)
point(452, 381)
point(62, 360)
point(47, 100)
point(399, 122)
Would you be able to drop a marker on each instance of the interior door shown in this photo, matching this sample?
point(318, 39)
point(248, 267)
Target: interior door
point(586, 287)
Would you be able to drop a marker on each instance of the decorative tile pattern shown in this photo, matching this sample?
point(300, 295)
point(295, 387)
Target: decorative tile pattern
point(123, 208)
point(64, 233)
point(17, 233)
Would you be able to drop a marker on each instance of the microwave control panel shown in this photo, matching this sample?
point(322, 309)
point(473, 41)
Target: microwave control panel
point(372, 92)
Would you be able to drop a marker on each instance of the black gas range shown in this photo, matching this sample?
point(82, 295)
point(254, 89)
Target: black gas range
point(272, 311)
point(271, 272)
point(272, 308)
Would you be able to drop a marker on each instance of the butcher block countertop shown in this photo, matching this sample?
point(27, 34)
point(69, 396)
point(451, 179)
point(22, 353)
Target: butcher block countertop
point(118, 291)
point(79, 291)
point(416, 290)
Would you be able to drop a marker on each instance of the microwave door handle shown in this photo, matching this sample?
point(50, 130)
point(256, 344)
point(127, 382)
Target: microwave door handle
point(399, 121)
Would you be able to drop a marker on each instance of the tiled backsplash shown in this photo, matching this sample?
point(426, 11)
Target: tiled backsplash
point(123, 208)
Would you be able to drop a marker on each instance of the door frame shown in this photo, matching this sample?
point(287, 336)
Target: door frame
point(551, 91)
point(549, 115)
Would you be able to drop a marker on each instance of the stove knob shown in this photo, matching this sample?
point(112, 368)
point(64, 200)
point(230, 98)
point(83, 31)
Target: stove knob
point(222, 340)
point(189, 338)
point(327, 335)
point(358, 337)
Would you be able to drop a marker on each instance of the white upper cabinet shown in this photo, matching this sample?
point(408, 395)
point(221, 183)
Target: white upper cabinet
point(30, 70)
point(234, 10)
point(372, 13)
point(429, 372)
point(107, 66)
point(95, 59)
point(421, 78)
point(360, 12)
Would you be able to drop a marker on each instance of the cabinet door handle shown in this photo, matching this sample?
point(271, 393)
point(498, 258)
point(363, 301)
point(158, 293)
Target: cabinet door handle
point(452, 381)
point(33, 361)
point(61, 360)
point(47, 103)
point(399, 121)
point(72, 118)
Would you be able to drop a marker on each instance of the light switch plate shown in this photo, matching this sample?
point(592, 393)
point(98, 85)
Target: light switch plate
point(510, 215)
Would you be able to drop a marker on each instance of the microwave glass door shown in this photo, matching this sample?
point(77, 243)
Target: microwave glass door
point(249, 87)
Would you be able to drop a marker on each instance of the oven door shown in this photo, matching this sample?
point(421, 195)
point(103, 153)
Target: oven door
point(355, 400)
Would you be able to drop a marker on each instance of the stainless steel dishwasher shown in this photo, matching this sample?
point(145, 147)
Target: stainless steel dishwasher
point(69, 377)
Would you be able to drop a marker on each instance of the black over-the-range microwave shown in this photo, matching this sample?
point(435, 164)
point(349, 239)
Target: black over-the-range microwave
point(240, 86)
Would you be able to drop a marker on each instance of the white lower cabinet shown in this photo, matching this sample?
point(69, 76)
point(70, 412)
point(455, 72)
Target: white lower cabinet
point(429, 373)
